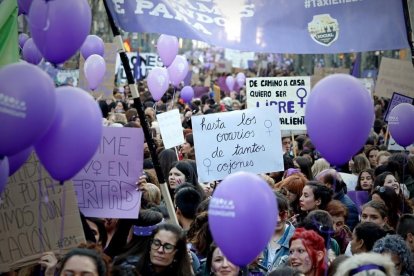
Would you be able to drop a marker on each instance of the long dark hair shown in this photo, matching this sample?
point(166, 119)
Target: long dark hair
point(370, 172)
point(92, 254)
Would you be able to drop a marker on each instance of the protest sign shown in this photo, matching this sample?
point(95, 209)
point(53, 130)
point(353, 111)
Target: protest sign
point(67, 77)
point(171, 128)
point(271, 26)
point(245, 140)
point(37, 215)
point(140, 64)
point(288, 94)
point(369, 84)
point(395, 75)
point(321, 72)
point(105, 187)
point(106, 88)
point(238, 59)
point(397, 99)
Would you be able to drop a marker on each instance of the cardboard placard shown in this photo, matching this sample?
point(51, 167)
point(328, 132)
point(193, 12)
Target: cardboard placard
point(246, 140)
point(288, 94)
point(105, 187)
point(37, 214)
point(395, 75)
point(171, 128)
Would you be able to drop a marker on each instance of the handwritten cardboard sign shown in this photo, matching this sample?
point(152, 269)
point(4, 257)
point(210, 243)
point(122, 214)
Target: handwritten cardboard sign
point(171, 128)
point(105, 187)
point(397, 99)
point(288, 94)
point(246, 140)
point(395, 75)
point(37, 214)
point(105, 89)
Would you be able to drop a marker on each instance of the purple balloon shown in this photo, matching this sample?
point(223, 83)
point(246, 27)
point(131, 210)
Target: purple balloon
point(4, 173)
point(24, 6)
point(400, 124)
point(30, 52)
point(230, 82)
point(74, 136)
point(178, 70)
point(28, 105)
point(339, 115)
point(167, 48)
point(241, 79)
point(242, 216)
point(22, 39)
point(59, 28)
point(94, 69)
point(17, 160)
point(157, 82)
point(92, 45)
point(187, 93)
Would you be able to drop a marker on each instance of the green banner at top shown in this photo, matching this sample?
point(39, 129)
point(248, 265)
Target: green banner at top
point(9, 45)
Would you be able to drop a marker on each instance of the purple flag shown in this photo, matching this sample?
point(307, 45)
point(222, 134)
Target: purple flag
point(273, 26)
point(359, 198)
point(356, 67)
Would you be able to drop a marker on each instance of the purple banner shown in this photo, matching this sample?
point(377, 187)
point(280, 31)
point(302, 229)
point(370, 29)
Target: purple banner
point(276, 26)
point(105, 187)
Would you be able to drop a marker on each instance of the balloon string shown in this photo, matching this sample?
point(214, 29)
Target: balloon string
point(62, 225)
point(155, 107)
point(39, 219)
point(172, 101)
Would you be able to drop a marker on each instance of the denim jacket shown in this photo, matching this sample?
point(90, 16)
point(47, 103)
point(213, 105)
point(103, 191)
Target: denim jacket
point(282, 252)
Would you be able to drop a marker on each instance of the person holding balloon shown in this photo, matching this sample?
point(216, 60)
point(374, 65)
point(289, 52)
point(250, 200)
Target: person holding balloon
point(307, 252)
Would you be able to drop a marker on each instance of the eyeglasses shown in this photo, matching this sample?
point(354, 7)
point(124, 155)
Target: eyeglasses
point(166, 247)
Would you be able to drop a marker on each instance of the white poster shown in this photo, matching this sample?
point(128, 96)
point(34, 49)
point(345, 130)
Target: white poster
point(246, 140)
point(288, 94)
point(171, 128)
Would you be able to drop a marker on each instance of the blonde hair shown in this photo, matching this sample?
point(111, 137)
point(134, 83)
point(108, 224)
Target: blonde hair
point(151, 194)
point(359, 260)
point(320, 165)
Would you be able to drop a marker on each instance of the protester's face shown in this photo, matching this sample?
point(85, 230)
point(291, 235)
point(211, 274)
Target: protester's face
point(355, 248)
point(372, 157)
point(299, 257)
point(391, 182)
point(208, 188)
point(185, 148)
point(382, 160)
point(79, 265)
point(338, 223)
point(286, 143)
point(119, 107)
point(221, 266)
point(159, 258)
point(94, 229)
point(366, 181)
point(307, 200)
point(281, 222)
point(372, 215)
point(175, 178)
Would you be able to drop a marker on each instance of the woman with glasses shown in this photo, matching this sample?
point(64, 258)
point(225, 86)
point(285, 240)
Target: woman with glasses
point(165, 254)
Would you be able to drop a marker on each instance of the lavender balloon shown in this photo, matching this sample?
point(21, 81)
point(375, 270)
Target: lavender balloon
point(339, 115)
point(187, 93)
point(178, 70)
point(59, 28)
point(240, 79)
point(230, 82)
point(242, 216)
point(4, 173)
point(400, 124)
point(94, 69)
point(30, 52)
point(167, 48)
point(92, 45)
point(22, 39)
point(28, 104)
point(18, 159)
point(74, 136)
point(157, 82)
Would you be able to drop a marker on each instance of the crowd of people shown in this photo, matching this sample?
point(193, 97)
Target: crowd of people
point(321, 229)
